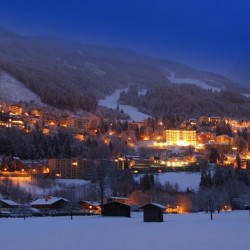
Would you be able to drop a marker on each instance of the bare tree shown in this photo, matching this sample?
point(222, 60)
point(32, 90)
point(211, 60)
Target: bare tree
point(102, 169)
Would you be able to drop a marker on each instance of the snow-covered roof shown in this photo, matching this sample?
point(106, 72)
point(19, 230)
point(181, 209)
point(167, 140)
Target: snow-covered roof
point(116, 202)
point(47, 201)
point(118, 198)
point(153, 204)
point(92, 203)
point(9, 202)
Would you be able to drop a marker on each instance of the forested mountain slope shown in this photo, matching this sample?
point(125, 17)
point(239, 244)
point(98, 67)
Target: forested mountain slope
point(188, 101)
point(71, 75)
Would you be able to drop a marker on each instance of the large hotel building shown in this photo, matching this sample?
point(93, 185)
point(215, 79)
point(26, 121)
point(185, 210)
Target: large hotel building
point(181, 137)
point(72, 168)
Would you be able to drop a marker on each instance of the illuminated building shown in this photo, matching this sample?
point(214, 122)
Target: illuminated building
point(68, 168)
point(36, 112)
point(79, 137)
point(15, 109)
point(5, 120)
point(224, 139)
point(205, 120)
point(181, 137)
point(205, 137)
point(79, 124)
point(46, 130)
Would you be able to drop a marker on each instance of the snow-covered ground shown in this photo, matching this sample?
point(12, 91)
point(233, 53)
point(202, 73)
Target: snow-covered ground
point(25, 183)
point(29, 186)
point(183, 179)
point(187, 80)
point(246, 95)
point(15, 91)
point(112, 101)
point(228, 231)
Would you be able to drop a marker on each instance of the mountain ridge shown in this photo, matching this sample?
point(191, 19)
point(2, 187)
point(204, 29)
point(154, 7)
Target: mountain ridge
point(72, 75)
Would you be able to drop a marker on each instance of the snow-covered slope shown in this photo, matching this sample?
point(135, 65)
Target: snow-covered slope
point(112, 102)
point(13, 90)
point(187, 80)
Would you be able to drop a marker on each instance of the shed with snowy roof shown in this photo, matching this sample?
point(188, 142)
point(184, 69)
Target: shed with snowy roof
point(115, 208)
point(153, 212)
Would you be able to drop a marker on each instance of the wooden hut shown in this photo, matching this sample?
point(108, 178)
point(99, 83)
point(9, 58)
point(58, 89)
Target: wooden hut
point(115, 208)
point(153, 212)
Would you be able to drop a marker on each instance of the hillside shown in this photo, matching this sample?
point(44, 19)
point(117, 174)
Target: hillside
point(12, 90)
point(71, 75)
point(188, 101)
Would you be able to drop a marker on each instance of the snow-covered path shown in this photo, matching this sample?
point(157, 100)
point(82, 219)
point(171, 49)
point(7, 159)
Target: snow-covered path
point(112, 101)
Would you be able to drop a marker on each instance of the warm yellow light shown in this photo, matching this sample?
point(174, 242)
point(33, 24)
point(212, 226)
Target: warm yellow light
point(182, 143)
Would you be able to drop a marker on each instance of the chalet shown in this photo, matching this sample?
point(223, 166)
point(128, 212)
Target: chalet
point(50, 203)
point(115, 208)
point(153, 212)
point(7, 206)
point(90, 207)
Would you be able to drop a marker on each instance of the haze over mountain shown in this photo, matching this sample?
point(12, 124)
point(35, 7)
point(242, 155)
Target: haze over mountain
point(240, 72)
point(208, 35)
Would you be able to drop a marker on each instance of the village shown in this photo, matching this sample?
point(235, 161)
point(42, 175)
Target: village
point(152, 145)
point(141, 149)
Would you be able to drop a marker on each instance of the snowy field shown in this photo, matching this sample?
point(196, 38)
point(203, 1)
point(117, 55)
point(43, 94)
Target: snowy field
point(112, 101)
point(229, 231)
point(183, 179)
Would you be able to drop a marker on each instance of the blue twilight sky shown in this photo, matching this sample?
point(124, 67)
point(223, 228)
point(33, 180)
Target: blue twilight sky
point(207, 34)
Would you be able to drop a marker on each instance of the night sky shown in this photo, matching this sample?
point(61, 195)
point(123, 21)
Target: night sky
point(207, 34)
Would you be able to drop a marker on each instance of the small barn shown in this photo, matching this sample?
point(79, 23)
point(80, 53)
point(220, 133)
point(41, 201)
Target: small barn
point(115, 208)
point(153, 212)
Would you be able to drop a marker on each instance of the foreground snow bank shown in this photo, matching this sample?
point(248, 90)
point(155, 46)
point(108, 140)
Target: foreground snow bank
point(187, 231)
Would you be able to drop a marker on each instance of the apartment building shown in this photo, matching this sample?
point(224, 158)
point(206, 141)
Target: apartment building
point(68, 168)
